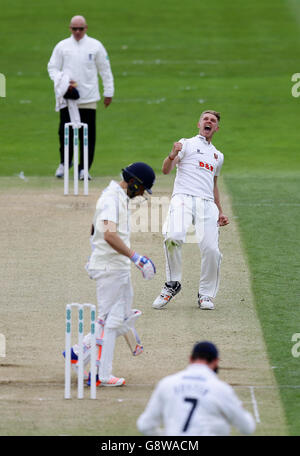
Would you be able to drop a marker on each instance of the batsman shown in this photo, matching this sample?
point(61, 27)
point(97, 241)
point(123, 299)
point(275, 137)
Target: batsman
point(109, 265)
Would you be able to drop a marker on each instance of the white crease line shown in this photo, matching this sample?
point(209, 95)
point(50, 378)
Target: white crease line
point(266, 386)
point(140, 100)
point(254, 403)
point(174, 62)
point(234, 386)
point(268, 204)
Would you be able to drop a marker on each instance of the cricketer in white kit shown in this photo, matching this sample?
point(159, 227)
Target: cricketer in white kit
point(194, 402)
point(195, 201)
point(109, 266)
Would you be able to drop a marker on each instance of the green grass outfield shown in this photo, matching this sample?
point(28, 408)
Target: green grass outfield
point(171, 60)
point(269, 217)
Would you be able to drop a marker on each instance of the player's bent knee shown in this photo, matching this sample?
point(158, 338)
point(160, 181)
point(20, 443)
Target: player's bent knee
point(172, 243)
point(211, 251)
point(114, 322)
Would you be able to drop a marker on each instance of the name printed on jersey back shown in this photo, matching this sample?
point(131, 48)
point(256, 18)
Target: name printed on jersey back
point(191, 387)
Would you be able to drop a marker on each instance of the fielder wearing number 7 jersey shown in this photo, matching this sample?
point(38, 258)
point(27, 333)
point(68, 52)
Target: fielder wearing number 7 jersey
point(195, 200)
point(194, 402)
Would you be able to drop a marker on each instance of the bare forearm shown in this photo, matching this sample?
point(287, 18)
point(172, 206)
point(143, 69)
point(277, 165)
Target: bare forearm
point(172, 159)
point(217, 198)
point(168, 165)
point(223, 219)
point(117, 244)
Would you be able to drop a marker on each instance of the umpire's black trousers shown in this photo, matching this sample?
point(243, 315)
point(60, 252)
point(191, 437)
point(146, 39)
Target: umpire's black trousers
point(87, 116)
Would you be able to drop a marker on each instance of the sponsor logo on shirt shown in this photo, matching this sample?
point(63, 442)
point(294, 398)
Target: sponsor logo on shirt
point(216, 156)
point(206, 166)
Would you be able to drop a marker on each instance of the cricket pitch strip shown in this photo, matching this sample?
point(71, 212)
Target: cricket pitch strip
point(44, 247)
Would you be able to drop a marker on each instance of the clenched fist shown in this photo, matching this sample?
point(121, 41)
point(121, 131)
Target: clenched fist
point(176, 148)
point(223, 220)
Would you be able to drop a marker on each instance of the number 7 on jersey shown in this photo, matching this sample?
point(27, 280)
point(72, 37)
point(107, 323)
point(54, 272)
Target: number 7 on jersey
point(194, 403)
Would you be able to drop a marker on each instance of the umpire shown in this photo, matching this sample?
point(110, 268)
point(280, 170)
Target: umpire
point(74, 66)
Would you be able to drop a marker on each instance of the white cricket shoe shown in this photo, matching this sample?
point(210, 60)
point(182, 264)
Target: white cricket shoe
point(169, 290)
point(81, 175)
point(114, 381)
point(205, 303)
point(60, 171)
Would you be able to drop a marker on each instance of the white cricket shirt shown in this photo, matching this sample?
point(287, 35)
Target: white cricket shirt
point(113, 206)
point(199, 162)
point(82, 61)
point(194, 402)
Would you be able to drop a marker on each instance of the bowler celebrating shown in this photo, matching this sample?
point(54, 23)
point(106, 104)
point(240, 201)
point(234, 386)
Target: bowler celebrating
point(195, 200)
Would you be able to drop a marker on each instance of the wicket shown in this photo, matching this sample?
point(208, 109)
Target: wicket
point(68, 345)
point(75, 128)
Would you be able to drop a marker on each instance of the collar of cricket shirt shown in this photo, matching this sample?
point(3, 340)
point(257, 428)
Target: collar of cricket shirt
point(196, 367)
point(204, 139)
point(83, 39)
point(117, 186)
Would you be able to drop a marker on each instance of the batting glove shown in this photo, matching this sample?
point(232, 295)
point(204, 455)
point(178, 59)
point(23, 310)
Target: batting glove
point(145, 265)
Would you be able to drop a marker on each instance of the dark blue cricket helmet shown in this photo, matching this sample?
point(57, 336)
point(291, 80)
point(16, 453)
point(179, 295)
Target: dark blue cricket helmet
point(142, 172)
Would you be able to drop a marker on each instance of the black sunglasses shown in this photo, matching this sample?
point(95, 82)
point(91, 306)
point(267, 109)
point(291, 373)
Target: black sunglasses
point(77, 28)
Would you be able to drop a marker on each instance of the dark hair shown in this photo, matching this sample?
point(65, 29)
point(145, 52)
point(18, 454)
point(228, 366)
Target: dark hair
point(204, 350)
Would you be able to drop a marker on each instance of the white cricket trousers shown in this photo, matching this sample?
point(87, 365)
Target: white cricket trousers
point(192, 219)
point(114, 297)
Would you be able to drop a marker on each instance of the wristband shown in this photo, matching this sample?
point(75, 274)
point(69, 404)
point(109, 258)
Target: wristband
point(135, 256)
point(170, 158)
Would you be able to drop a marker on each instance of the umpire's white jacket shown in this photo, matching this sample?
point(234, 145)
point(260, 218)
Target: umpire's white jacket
point(194, 402)
point(82, 61)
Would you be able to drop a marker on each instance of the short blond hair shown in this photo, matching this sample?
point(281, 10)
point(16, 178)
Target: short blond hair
point(215, 113)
